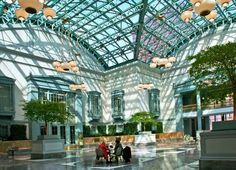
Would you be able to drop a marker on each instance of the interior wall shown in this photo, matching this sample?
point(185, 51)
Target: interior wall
point(26, 51)
point(179, 73)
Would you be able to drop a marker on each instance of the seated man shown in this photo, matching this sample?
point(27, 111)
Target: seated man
point(118, 149)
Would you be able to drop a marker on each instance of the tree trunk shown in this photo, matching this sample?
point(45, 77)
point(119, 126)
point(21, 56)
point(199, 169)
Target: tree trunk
point(234, 102)
point(46, 128)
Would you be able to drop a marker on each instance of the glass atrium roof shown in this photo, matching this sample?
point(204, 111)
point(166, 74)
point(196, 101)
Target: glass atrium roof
point(121, 31)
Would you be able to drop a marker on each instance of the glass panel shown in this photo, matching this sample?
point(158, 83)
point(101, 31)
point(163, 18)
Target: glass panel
point(54, 130)
point(94, 104)
point(6, 98)
point(72, 134)
point(154, 101)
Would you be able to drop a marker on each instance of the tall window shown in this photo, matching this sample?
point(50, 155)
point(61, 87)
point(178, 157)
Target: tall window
point(6, 96)
point(3, 132)
point(154, 101)
point(54, 130)
point(94, 104)
point(72, 134)
point(117, 102)
point(189, 101)
point(58, 96)
point(63, 132)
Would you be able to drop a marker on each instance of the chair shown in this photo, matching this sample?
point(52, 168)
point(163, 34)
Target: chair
point(118, 154)
point(99, 154)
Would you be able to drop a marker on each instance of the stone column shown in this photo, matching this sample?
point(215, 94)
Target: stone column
point(199, 111)
point(179, 112)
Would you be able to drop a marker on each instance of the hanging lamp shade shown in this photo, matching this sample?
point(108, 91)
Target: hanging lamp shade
point(9, 1)
point(165, 60)
point(21, 14)
point(56, 64)
point(224, 3)
point(59, 69)
point(186, 16)
point(205, 7)
point(75, 69)
point(49, 13)
point(65, 66)
point(168, 65)
point(155, 59)
point(152, 65)
point(172, 59)
point(212, 16)
point(31, 6)
point(196, 3)
point(72, 63)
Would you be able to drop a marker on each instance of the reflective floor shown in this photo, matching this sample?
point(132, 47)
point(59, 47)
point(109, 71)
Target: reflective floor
point(148, 157)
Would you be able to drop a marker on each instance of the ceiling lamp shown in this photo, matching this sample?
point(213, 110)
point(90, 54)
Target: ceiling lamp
point(49, 13)
point(34, 6)
point(224, 3)
point(196, 3)
point(66, 66)
point(80, 86)
point(10, 1)
point(212, 16)
point(21, 14)
point(203, 8)
point(145, 86)
point(31, 6)
point(166, 62)
point(187, 15)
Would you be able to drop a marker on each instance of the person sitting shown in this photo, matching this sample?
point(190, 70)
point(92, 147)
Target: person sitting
point(117, 150)
point(117, 145)
point(105, 150)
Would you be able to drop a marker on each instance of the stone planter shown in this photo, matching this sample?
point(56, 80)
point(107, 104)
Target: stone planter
point(48, 147)
point(218, 149)
point(145, 138)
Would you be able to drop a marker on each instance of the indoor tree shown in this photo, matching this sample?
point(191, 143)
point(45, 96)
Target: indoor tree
point(46, 112)
point(214, 73)
point(144, 118)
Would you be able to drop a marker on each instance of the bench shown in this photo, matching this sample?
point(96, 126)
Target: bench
point(12, 151)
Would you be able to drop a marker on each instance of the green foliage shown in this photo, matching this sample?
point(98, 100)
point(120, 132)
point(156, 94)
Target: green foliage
point(86, 131)
point(48, 112)
point(18, 132)
point(159, 127)
point(144, 118)
point(148, 126)
point(111, 130)
point(101, 129)
point(214, 71)
point(130, 128)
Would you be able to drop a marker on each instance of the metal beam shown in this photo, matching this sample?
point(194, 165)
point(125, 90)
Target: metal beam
point(140, 28)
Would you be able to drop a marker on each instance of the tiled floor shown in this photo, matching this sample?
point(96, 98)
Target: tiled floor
point(143, 158)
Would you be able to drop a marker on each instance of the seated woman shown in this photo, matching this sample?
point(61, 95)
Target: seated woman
point(105, 150)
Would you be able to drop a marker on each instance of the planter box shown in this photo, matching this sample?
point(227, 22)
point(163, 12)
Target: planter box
point(218, 149)
point(145, 138)
point(48, 147)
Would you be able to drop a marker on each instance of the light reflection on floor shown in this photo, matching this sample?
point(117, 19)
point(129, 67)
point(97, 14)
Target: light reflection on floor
point(150, 158)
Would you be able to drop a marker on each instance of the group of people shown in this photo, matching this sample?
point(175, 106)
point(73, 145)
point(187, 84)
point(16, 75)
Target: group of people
point(108, 154)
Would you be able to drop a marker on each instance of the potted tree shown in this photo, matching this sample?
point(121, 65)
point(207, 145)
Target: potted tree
point(47, 112)
point(144, 118)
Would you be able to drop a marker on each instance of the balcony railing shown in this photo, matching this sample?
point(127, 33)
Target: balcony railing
point(193, 107)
